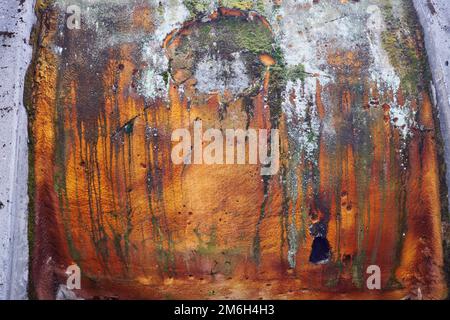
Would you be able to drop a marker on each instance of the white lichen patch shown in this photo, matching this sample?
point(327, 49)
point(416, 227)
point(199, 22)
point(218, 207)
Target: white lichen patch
point(174, 13)
point(307, 33)
point(381, 70)
point(402, 118)
point(153, 82)
point(302, 120)
point(216, 75)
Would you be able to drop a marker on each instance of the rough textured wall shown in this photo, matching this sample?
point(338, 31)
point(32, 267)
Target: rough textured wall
point(16, 21)
point(435, 18)
point(345, 82)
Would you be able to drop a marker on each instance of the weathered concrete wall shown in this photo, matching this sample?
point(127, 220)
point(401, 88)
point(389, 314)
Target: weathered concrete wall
point(16, 20)
point(435, 18)
point(344, 81)
point(15, 23)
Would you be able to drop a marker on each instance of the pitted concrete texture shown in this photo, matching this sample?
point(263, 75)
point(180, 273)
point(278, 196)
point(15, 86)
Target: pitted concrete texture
point(435, 18)
point(16, 20)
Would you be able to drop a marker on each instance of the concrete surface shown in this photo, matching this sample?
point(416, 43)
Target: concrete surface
point(16, 20)
point(358, 73)
point(434, 16)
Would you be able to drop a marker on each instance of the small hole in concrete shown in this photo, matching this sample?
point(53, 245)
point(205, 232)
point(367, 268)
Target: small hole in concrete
point(320, 252)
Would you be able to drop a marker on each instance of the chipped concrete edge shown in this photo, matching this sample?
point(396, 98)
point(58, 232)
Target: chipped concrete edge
point(16, 21)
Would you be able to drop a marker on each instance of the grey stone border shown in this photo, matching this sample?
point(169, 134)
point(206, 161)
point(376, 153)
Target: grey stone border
point(16, 20)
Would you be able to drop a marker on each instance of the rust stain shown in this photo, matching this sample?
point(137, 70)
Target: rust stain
point(109, 198)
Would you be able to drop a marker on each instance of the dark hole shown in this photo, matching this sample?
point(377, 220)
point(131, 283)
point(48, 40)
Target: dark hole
point(320, 252)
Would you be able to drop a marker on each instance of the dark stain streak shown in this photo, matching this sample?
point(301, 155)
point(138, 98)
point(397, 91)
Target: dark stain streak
point(431, 7)
point(7, 34)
